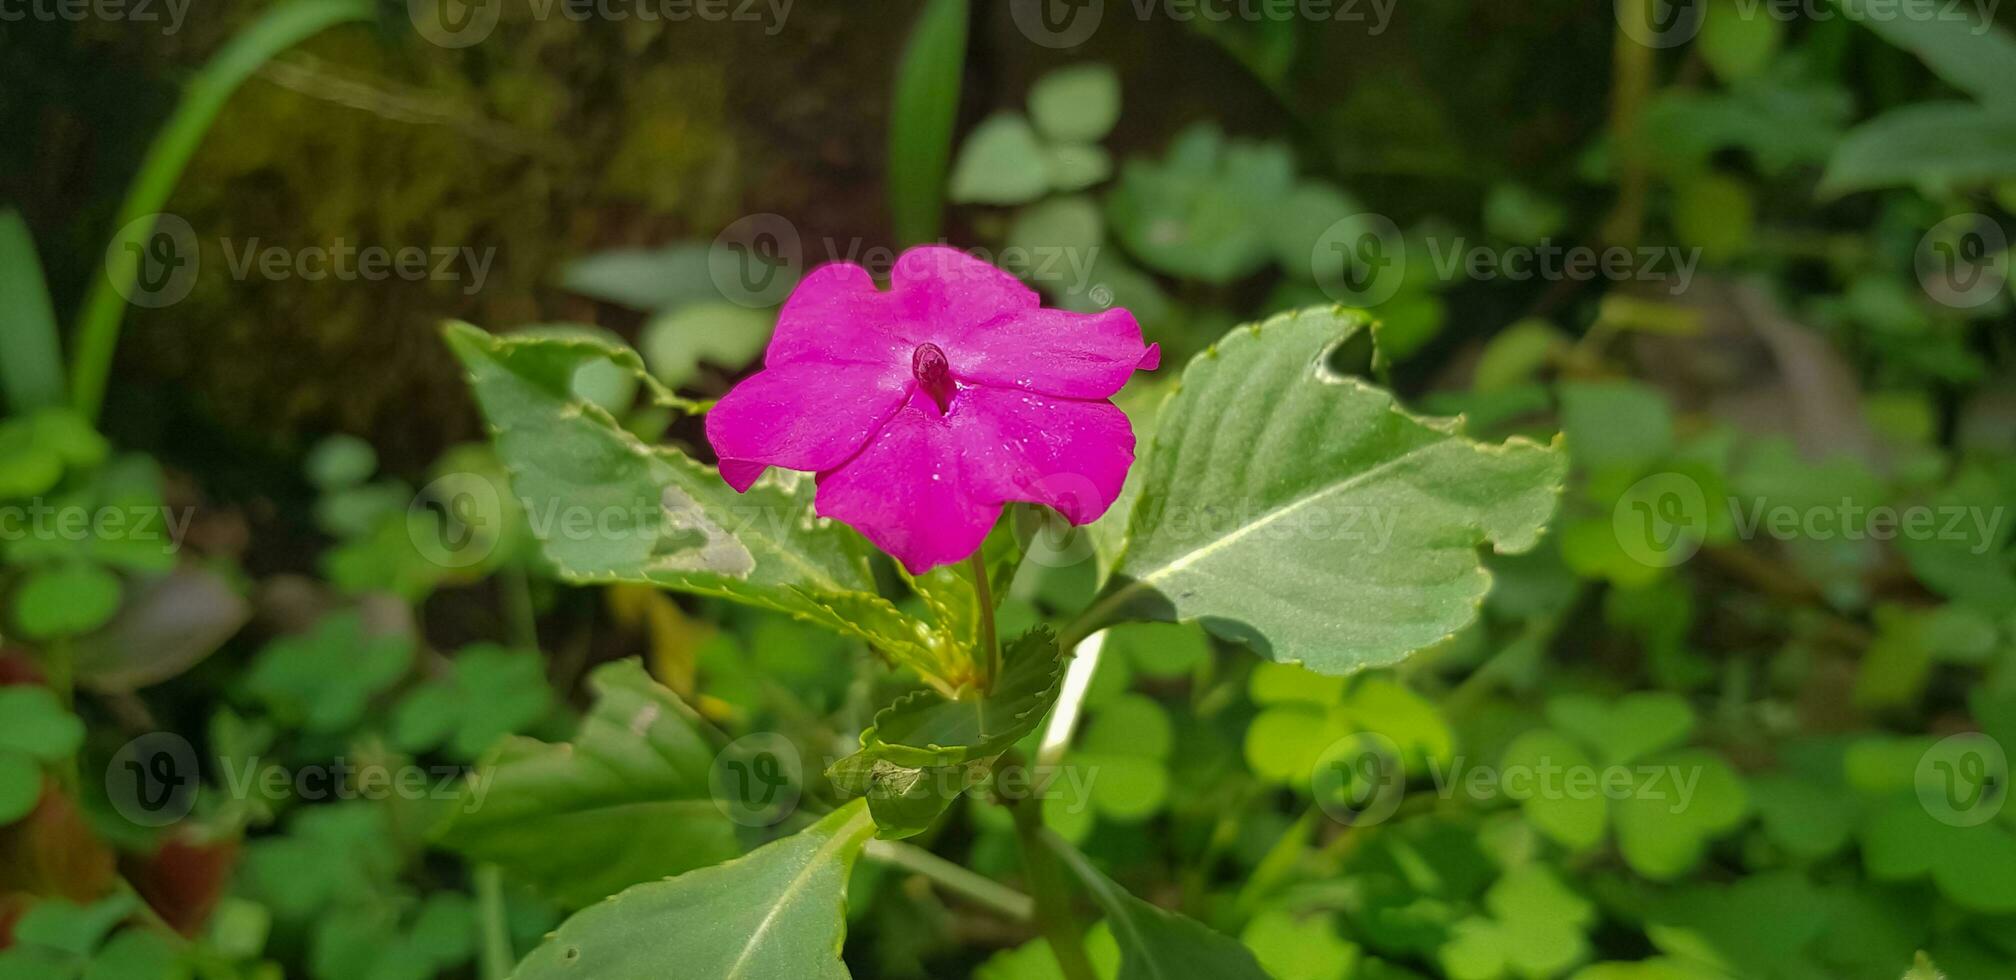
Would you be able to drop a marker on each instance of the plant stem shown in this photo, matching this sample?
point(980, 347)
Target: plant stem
point(97, 331)
point(496, 955)
point(521, 619)
point(954, 878)
point(1049, 887)
point(1630, 88)
point(990, 646)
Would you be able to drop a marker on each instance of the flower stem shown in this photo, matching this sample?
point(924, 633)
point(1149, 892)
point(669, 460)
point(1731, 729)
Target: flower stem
point(1048, 886)
point(990, 646)
point(496, 956)
point(984, 891)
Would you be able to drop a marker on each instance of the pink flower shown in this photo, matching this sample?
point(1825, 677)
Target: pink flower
point(926, 408)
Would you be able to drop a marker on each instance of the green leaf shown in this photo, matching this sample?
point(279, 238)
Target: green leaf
point(331, 856)
point(27, 469)
point(1976, 58)
point(490, 692)
point(1737, 42)
point(674, 344)
point(1575, 821)
point(65, 600)
point(20, 786)
point(1156, 944)
point(1757, 927)
point(1193, 213)
point(924, 750)
point(1624, 729)
point(1802, 816)
point(1308, 516)
point(1927, 143)
point(1303, 220)
point(629, 797)
point(656, 517)
point(921, 116)
point(1307, 948)
point(1074, 167)
point(31, 357)
point(644, 279)
point(1663, 829)
point(137, 954)
point(777, 913)
point(1974, 866)
point(341, 461)
point(323, 680)
point(127, 488)
point(68, 927)
point(1615, 423)
point(37, 725)
point(1002, 162)
point(1076, 104)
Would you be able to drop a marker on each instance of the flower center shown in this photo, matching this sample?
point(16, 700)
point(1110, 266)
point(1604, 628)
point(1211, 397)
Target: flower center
point(933, 373)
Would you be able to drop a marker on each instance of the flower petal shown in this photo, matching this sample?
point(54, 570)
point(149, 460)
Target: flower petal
point(1069, 455)
point(908, 491)
point(944, 292)
point(803, 416)
point(837, 316)
point(1056, 352)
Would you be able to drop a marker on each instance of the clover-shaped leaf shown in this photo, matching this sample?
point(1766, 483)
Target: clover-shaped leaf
point(323, 680)
point(1665, 823)
point(1802, 816)
point(1576, 821)
point(66, 600)
point(1001, 162)
point(1624, 729)
point(1974, 866)
point(1079, 103)
point(490, 692)
point(37, 730)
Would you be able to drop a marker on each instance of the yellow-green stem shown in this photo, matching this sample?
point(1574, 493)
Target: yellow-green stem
point(990, 646)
